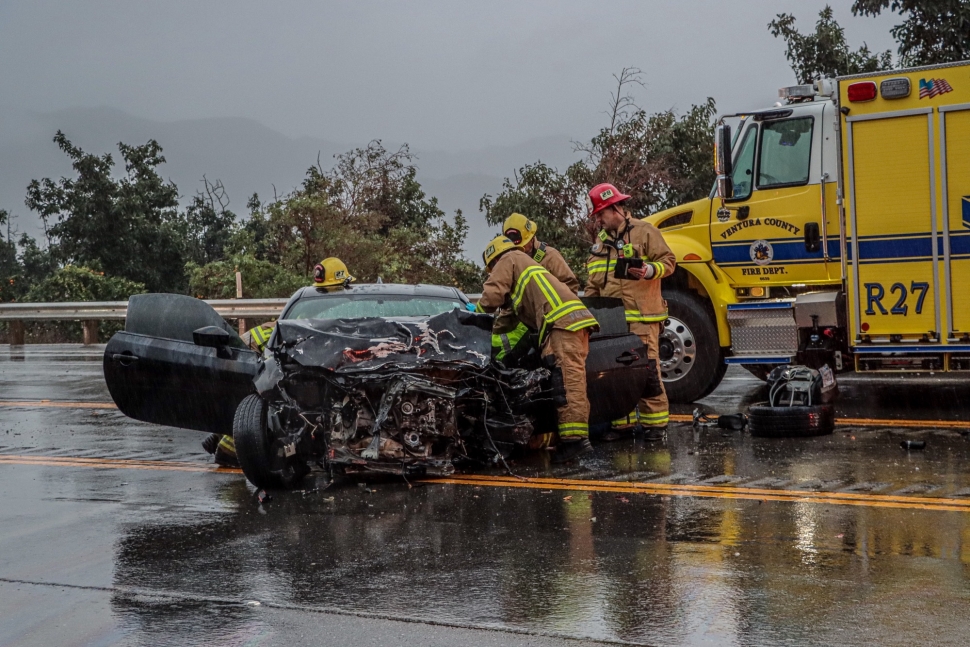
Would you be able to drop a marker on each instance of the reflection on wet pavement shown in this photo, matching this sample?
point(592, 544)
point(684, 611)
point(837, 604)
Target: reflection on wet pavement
point(183, 555)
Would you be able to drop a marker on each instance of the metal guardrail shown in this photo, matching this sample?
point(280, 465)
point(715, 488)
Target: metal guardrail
point(91, 312)
point(117, 310)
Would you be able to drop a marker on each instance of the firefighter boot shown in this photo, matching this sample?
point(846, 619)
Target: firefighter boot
point(571, 449)
point(650, 434)
point(225, 454)
point(211, 442)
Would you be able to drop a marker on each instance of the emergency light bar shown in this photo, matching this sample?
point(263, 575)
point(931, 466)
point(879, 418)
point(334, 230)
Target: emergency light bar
point(864, 91)
point(797, 92)
point(826, 87)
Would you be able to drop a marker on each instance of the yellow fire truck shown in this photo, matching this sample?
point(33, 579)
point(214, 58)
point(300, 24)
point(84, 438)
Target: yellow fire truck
point(838, 233)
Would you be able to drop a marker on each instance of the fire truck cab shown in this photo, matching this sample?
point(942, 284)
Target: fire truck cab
point(838, 233)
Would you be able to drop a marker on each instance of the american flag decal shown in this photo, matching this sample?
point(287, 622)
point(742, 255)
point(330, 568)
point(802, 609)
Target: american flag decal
point(929, 88)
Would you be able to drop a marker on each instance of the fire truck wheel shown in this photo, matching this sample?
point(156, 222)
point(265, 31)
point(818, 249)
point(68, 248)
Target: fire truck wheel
point(790, 422)
point(691, 361)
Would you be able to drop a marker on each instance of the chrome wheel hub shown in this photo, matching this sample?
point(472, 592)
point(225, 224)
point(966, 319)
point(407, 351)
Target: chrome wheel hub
point(677, 350)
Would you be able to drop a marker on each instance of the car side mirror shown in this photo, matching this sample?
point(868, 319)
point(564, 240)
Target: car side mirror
point(212, 337)
point(722, 162)
point(812, 239)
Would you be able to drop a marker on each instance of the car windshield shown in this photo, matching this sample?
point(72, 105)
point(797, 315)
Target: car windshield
point(356, 306)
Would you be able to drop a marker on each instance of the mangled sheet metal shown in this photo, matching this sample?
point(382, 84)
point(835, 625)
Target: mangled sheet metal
point(456, 338)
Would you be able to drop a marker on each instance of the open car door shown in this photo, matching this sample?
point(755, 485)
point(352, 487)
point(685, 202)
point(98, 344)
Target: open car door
point(156, 372)
point(617, 369)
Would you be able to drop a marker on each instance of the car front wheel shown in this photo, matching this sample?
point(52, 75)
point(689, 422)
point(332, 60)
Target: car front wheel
point(255, 451)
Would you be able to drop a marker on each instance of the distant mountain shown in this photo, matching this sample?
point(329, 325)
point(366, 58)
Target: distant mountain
point(247, 156)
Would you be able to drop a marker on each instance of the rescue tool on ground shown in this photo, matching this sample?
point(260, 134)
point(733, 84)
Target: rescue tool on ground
point(627, 263)
point(838, 233)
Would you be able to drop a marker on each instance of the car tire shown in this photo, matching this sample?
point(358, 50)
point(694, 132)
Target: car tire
point(790, 422)
point(254, 449)
point(692, 328)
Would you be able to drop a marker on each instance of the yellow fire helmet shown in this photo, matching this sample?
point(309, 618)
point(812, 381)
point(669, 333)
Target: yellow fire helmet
point(498, 246)
point(519, 229)
point(330, 272)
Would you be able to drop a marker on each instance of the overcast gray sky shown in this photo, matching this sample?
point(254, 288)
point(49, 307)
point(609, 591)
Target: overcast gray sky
point(442, 75)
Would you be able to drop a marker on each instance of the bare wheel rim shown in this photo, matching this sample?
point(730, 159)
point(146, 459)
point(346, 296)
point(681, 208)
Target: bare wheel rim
point(677, 350)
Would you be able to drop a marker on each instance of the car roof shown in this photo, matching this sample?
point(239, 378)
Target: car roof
point(388, 289)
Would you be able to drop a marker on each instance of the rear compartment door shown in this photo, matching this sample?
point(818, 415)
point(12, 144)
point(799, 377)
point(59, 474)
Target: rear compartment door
point(954, 123)
point(892, 226)
point(155, 373)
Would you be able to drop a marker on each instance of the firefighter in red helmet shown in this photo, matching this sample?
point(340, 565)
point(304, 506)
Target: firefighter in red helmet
point(622, 236)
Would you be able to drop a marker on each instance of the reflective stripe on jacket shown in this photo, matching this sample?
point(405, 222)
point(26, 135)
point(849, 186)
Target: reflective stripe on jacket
point(503, 343)
point(549, 257)
point(260, 335)
point(642, 300)
point(538, 299)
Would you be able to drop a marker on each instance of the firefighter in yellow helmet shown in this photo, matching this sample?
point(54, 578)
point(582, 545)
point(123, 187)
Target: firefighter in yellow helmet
point(541, 302)
point(329, 274)
point(522, 231)
point(622, 236)
point(509, 332)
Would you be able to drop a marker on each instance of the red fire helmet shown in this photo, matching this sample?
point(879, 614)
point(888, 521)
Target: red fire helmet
point(602, 196)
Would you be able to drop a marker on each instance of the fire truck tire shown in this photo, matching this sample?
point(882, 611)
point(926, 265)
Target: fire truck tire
point(790, 422)
point(692, 363)
point(254, 449)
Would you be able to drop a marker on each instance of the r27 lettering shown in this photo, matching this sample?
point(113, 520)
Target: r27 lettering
point(875, 292)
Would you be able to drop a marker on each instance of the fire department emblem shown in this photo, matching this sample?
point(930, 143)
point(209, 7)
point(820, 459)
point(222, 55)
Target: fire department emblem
point(761, 252)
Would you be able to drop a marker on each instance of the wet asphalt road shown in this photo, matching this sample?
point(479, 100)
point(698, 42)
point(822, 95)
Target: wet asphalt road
point(118, 532)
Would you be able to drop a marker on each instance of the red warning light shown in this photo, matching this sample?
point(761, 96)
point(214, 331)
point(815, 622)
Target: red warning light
point(862, 91)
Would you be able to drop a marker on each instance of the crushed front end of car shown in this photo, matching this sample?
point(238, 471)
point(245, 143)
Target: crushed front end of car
point(409, 396)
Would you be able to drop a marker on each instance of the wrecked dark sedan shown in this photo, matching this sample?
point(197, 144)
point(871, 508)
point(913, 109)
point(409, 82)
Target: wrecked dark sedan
point(373, 378)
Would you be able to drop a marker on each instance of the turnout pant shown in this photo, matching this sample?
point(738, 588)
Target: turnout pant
point(653, 412)
point(570, 349)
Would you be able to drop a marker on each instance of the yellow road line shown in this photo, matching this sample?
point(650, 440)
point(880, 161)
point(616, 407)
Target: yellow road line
point(656, 489)
point(885, 422)
point(114, 463)
point(720, 492)
point(872, 422)
point(674, 417)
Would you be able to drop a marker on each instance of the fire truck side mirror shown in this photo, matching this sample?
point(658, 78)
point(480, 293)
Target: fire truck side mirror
point(722, 162)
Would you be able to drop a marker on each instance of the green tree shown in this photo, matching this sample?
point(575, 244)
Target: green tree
point(10, 269)
point(129, 228)
point(72, 283)
point(825, 52)
point(209, 225)
point(260, 279)
point(554, 200)
point(661, 160)
point(934, 31)
point(369, 210)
